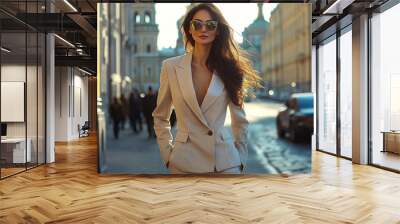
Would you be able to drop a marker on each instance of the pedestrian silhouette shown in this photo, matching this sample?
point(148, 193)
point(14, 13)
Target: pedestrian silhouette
point(124, 107)
point(134, 111)
point(149, 104)
point(116, 116)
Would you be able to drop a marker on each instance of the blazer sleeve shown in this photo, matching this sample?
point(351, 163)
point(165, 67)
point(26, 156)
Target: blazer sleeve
point(239, 125)
point(161, 115)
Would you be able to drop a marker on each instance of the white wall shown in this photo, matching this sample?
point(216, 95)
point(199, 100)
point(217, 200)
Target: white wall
point(13, 73)
point(80, 100)
point(71, 93)
point(61, 103)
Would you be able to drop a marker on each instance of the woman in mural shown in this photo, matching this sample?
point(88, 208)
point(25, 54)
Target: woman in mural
point(200, 85)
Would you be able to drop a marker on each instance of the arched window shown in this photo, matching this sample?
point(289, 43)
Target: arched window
point(147, 17)
point(137, 17)
point(148, 48)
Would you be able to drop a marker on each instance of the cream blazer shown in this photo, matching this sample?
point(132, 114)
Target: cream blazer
point(202, 143)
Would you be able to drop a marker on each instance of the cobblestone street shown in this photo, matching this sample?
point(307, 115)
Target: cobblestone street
point(267, 154)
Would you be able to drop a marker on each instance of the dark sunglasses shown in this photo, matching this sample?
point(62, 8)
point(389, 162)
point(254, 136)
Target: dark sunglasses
point(210, 25)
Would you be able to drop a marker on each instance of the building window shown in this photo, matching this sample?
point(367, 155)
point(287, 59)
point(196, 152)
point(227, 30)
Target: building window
point(137, 18)
point(346, 94)
point(148, 48)
point(135, 48)
point(327, 95)
point(147, 17)
point(385, 89)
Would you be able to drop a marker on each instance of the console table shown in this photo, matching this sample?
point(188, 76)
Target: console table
point(13, 150)
point(391, 141)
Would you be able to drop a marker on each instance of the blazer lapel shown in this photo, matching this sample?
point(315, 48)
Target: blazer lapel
point(214, 91)
point(186, 85)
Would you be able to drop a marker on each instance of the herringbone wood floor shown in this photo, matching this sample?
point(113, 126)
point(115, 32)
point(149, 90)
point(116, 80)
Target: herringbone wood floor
point(71, 191)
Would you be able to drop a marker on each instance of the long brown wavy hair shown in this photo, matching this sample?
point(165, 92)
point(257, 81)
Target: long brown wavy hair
point(231, 63)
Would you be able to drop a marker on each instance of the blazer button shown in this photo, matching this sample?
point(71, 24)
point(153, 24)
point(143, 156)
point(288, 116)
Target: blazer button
point(210, 132)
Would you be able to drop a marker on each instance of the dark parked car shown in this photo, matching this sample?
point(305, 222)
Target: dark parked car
point(297, 118)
